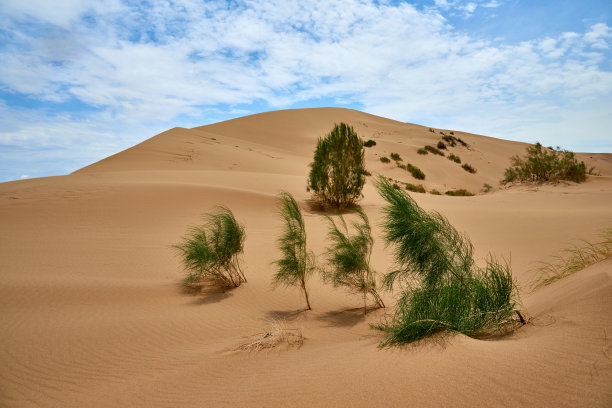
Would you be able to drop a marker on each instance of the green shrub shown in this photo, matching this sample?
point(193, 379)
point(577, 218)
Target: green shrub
point(431, 130)
point(468, 168)
point(369, 143)
point(441, 145)
point(415, 188)
point(435, 192)
point(297, 262)
point(487, 187)
point(433, 150)
point(462, 142)
point(415, 171)
point(450, 140)
point(385, 159)
point(210, 251)
point(442, 288)
point(348, 258)
point(462, 192)
point(395, 156)
point(336, 175)
point(422, 151)
point(452, 133)
point(366, 173)
point(542, 165)
point(402, 166)
point(454, 158)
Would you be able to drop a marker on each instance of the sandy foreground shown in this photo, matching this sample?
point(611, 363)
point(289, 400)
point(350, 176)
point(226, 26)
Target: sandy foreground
point(91, 312)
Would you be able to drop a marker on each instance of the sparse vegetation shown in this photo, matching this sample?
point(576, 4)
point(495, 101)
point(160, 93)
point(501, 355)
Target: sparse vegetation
point(348, 258)
point(415, 171)
point(415, 188)
point(385, 159)
point(434, 192)
point(369, 143)
point(452, 133)
point(277, 334)
point(468, 168)
point(441, 145)
point(297, 262)
point(464, 144)
point(431, 130)
point(395, 156)
point(450, 140)
point(462, 192)
point(433, 150)
point(454, 158)
point(574, 259)
point(486, 187)
point(422, 151)
point(545, 165)
point(210, 252)
point(442, 288)
point(337, 172)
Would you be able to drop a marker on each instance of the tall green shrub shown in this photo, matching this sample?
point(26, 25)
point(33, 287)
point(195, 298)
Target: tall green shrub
point(348, 258)
point(297, 262)
point(337, 171)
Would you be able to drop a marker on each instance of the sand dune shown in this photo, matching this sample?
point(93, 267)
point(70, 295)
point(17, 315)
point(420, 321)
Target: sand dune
point(92, 314)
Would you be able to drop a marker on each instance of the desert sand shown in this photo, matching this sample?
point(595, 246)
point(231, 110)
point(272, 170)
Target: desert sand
point(92, 313)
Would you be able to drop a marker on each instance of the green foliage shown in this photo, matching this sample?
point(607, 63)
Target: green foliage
point(297, 262)
point(441, 145)
point(210, 251)
point(415, 188)
point(395, 156)
point(468, 168)
point(422, 151)
point(442, 288)
point(462, 142)
point(385, 159)
point(450, 140)
point(369, 143)
point(487, 187)
point(433, 150)
point(454, 158)
point(337, 172)
point(348, 258)
point(462, 192)
point(542, 165)
point(431, 130)
point(452, 133)
point(415, 171)
point(435, 192)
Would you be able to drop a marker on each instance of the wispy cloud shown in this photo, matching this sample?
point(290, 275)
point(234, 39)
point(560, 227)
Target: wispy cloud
point(138, 68)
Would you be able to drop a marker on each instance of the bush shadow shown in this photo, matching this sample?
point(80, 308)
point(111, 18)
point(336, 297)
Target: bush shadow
point(343, 318)
point(206, 293)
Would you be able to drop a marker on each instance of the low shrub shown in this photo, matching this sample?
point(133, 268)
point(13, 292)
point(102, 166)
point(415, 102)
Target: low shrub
point(468, 168)
point(369, 143)
point(422, 151)
point(454, 158)
point(435, 192)
point(452, 133)
point(462, 192)
point(450, 140)
point(486, 187)
point(431, 130)
point(441, 145)
point(385, 159)
point(462, 142)
point(415, 188)
point(415, 171)
point(401, 166)
point(434, 150)
point(395, 156)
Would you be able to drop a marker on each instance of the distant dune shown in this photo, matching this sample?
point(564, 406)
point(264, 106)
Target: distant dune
point(92, 312)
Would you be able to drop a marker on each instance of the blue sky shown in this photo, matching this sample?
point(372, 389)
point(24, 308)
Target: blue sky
point(81, 80)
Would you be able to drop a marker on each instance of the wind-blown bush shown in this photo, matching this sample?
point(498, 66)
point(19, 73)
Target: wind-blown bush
point(210, 252)
point(348, 258)
point(297, 262)
point(433, 150)
point(542, 164)
point(442, 288)
point(337, 171)
point(415, 171)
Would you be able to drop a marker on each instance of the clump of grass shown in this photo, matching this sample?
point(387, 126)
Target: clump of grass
point(210, 252)
point(415, 188)
point(385, 159)
point(434, 150)
point(369, 143)
point(450, 140)
point(452, 133)
point(574, 259)
point(462, 192)
point(348, 258)
point(431, 130)
point(366, 173)
point(454, 158)
point(395, 156)
point(544, 165)
point(486, 187)
point(276, 335)
point(468, 168)
point(422, 151)
point(441, 145)
point(442, 288)
point(464, 144)
point(415, 171)
point(434, 192)
point(402, 166)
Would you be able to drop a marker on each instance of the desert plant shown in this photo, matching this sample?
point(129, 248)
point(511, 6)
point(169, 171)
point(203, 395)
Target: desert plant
point(415, 171)
point(277, 334)
point(369, 143)
point(462, 142)
point(395, 156)
point(435, 192)
point(486, 187)
point(461, 192)
point(433, 150)
point(452, 133)
point(422, 151)
point(441, 145)
point(348, 258)
point(337, 171)
point(415, 188)
point(431, 130)
point(402, 166)
point(442, 288)
point(468, 168)
point(542, 165)
point(210, 252)
point(297, 262)
point(454, 158)
point(450, 140)
point(385, 159)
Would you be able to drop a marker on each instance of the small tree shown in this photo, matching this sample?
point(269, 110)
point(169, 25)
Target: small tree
point(348, 258)
point(337, 171)
point(210, 251)
point(297, 262)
